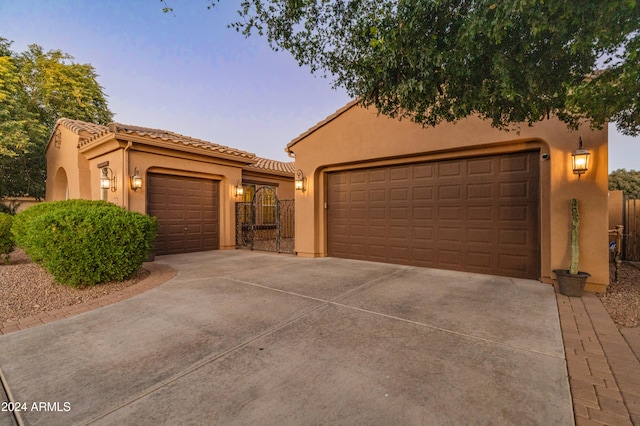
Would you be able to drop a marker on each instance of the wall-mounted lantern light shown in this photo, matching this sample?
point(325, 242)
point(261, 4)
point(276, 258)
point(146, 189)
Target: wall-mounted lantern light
point(301, 181)
point(238, 190)
point(580, 160)
point(136, 180)
point(108, 179)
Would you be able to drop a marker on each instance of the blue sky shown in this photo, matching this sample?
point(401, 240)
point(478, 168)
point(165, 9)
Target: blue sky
point(190, 74)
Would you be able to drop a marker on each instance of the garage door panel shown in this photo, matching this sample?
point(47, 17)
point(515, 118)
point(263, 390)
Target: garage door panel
point(480, 167)
point(423, 172)
point(358, 196)
point(449, 192)
point(515, 163)
point(378, 195)
point(514, 213)
point(517, 237)
point(379, 175)
point(512, 262)
point(357, 178)
point(477, 235)
point(480, 260)
point(399, 195)
point(450, 212)
point(480, 191)
point(511, 190)
point(449, 258)
point(187, 212)
point(475, 214)
point(450, 169)
point(480, 213)
point(423, 193)
point(377, 213)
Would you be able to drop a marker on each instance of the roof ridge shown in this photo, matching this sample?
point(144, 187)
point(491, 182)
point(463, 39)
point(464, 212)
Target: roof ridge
point(76, 126)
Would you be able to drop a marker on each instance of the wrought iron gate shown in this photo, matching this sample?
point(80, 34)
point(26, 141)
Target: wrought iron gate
point(265, 223)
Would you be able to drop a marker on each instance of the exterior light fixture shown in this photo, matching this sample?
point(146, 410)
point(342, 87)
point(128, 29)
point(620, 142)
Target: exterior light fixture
point(108, 179)
point(301, 181)
point(238, 190)
point(136, 180)
point(580, 160)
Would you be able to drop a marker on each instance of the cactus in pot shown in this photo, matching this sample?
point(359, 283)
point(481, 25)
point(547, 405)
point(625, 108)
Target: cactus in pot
point(571, 281)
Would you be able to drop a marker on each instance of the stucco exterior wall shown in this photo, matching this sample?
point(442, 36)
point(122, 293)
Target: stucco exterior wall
point(67, 170)
point(358, 137)
point(75, 161)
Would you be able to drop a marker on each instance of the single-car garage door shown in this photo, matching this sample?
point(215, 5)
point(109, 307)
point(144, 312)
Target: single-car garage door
point(471, 214)
point(187, 212)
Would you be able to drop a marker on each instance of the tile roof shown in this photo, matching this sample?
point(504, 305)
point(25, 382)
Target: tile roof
point(177, 138)
point(264, 164)
point(97, 131)
point(77, 126)
point(90, 132)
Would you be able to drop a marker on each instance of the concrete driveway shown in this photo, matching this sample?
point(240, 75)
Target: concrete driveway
point(248, 338)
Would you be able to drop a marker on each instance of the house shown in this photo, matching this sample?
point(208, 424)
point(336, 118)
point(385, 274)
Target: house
point(461, 196)
point(189, 184)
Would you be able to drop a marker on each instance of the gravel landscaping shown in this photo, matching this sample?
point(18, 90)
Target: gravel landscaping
point(622, 299)
point(27, 289)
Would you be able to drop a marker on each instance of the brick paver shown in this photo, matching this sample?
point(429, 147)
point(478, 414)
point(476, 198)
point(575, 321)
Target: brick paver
point(604, 374)
point(159, 273)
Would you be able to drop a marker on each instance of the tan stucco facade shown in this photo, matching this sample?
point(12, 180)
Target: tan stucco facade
point(78, 152)
point(355, 137)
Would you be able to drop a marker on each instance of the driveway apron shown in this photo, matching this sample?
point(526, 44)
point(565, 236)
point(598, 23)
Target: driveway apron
point(246, 338)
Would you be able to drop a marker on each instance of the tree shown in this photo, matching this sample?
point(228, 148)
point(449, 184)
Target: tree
point(508, 61)
point(626, 180)
point(36, 89)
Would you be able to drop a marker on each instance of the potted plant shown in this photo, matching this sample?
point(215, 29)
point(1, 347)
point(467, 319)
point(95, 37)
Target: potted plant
point(571, 282)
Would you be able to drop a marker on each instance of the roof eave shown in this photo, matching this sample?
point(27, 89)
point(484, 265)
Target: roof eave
point(321, 124)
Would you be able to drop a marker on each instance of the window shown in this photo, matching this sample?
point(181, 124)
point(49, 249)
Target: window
point(269, 205)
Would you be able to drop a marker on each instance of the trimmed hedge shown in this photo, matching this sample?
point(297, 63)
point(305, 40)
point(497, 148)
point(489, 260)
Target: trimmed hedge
point(7, 243)
point(83, 242)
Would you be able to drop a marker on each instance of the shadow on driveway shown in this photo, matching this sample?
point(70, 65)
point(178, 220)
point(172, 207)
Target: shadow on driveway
point(241, 337)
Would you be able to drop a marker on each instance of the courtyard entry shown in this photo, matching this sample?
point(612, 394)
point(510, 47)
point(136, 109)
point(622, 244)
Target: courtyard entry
point(265, 222)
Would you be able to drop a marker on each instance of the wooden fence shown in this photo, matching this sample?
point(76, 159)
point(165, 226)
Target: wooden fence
point(631, 245)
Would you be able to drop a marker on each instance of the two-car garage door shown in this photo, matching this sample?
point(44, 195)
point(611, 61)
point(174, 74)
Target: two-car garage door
point(471, 214)
point(187, 212)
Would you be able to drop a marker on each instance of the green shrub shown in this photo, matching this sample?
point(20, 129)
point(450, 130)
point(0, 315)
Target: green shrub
point(85, 242)
point(6, 237)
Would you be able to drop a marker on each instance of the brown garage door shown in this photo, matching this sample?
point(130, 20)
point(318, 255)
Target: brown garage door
point(474, 214)
point(187, 212)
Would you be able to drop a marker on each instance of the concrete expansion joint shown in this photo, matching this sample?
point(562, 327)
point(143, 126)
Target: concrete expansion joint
point(334, 301)
point(445, 330)
point(204, 362)
point(208, 360)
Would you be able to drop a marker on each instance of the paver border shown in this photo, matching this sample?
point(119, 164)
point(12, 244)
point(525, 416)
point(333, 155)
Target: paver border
point(604, 374)
point(159, 273)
